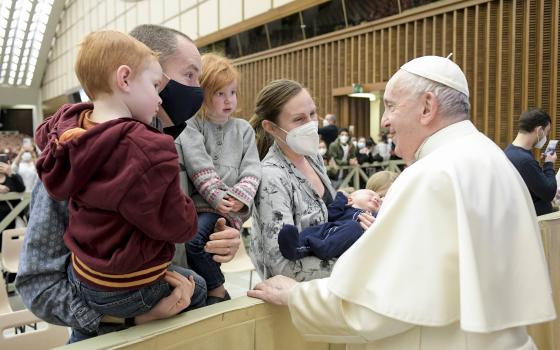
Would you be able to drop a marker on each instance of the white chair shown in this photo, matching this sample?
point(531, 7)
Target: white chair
point(12, 242)
point(241, 262)
point(43, 338)
point(5, 307)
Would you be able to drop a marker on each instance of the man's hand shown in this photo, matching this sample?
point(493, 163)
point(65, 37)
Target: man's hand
point(179, 299)
point(4, 189)
point(353, 161)
point(366, 220)
point(274, 290)
point(223, 243)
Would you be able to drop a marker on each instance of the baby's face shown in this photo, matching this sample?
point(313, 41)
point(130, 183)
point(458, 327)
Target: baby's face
point(366, 200)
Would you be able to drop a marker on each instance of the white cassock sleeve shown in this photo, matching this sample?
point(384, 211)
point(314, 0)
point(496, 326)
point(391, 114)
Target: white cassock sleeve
point(320, 315)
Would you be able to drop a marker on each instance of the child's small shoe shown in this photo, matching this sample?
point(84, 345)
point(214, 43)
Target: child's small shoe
point(289, 243)
point(214, 300)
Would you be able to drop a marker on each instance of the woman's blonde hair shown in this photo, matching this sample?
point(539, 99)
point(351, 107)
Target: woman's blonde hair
point(217, 73)
point(381, 181)
point(270, 101)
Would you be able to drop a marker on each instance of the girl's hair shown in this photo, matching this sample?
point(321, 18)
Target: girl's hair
point(217, 73)
point(270, 102)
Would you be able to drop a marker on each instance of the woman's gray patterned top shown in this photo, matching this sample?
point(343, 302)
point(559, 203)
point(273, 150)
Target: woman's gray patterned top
point(285, 196)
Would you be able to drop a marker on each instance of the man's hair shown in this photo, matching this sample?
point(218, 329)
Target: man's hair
point(217, 73)
point(100, 55)
point(158, 38)
point(532, 118)
point(331, 118)
point(343, 130)
point(452, 103)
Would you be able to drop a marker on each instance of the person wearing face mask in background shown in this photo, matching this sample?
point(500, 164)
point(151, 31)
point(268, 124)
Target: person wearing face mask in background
point(24, 165)
point(329, 131)
point(342, 150)
point(295, 189)
point(534, 126)
point(330, 165)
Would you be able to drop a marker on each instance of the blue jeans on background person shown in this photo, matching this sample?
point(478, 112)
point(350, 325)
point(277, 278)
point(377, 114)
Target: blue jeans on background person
point(200, 261)
point(131, 303)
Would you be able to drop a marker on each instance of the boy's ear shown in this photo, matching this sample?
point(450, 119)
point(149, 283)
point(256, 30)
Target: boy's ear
point(123, 78)
point(350, 200)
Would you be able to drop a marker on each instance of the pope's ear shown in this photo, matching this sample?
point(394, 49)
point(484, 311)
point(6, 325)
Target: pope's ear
point(429, 108)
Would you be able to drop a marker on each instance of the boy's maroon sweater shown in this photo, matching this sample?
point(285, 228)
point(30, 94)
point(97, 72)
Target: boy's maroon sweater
point(121, 180)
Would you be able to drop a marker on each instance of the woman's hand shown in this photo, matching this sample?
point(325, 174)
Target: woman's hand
point(223, 243)
point(366, 220)
point(274, 290)
point(179, 299)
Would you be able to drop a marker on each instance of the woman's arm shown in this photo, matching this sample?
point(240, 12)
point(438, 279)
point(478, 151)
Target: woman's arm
point(274, 208)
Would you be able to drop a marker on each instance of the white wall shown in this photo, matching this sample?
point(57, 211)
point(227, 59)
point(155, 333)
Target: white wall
point(194, 18)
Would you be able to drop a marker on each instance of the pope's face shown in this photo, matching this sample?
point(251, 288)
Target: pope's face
point(401, 117)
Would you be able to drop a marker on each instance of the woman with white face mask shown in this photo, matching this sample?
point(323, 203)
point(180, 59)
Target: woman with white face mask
point(24, 165)
point(295, 188)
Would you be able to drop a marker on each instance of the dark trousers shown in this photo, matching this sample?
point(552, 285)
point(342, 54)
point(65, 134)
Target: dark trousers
point(200, 261)
point(131, 303)
point(326, 241)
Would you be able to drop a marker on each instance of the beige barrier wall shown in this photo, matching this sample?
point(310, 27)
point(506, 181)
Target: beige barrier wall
point(547, 335)
point(240, 324)
point(247, 324)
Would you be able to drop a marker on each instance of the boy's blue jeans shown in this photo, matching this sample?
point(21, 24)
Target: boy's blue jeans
point(200, 261)
point(132, 303)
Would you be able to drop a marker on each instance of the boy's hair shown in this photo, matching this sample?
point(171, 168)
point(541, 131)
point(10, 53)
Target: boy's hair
point(532, 118)
point(217, 72)
point(102, 52)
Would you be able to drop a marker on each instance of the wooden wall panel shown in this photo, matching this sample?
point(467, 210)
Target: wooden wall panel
point(508, 50)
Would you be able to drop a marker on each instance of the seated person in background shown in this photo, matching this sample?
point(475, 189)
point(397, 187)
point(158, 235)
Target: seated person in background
point(329, 131)
point(121, 178)
point(328, 162)
point(24, 164)
point(367, 153)
point(381, 181)
point(534, 125)
point(9, 182)
point(331, 239)
point(385, 146)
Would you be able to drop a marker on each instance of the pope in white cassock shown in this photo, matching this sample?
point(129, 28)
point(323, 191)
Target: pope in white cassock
point(454, 259)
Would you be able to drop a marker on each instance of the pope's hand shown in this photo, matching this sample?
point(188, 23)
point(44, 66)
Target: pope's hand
point(274, 290)
point(366, 220)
